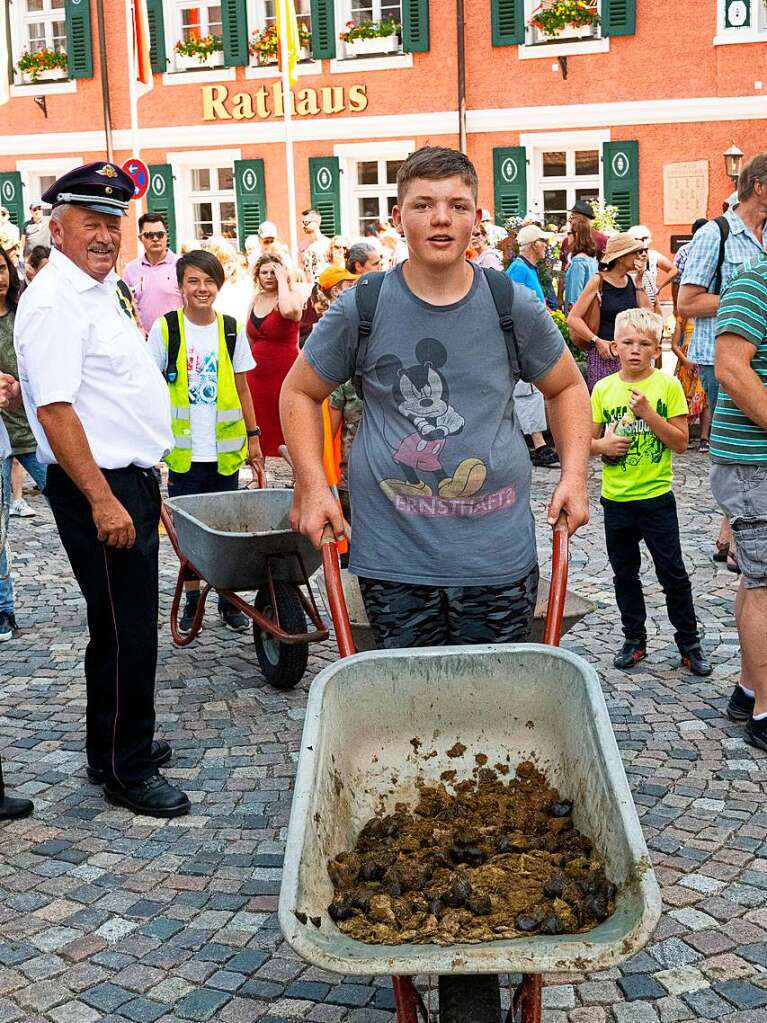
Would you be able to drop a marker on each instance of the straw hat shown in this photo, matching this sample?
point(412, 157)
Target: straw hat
point(621, 245)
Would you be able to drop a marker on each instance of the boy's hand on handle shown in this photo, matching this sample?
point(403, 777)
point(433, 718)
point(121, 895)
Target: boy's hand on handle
point(570, 498)
point(639, 404)
point(314, 508)
point(614, 445)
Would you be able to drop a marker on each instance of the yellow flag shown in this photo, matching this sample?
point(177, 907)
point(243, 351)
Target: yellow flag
point(287, 33)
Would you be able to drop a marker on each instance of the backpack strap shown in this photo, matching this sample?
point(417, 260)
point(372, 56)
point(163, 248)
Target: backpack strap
point(174, 345)
point(366, 295)
point(230, 333)
point(502, 289)
point(724, 233)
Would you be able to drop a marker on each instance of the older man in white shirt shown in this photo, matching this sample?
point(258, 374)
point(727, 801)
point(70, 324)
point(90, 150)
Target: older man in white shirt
point(100, 413)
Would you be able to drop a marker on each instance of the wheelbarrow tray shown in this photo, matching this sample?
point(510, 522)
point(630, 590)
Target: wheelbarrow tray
point(356, 757)
point(576, 608)
point(229, 538)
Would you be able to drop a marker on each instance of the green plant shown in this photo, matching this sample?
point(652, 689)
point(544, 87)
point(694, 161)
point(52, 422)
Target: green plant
point(34, 62)
point(265, 45)
point(560, 320)
point(369, 30)
point(201, 49)
point(605, 217)
point(565, 14)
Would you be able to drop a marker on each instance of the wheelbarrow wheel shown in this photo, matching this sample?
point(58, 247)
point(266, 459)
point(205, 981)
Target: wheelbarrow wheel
point(283, 664)
point(469, 998)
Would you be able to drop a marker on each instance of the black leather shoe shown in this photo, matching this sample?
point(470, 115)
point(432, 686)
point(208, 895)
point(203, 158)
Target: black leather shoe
point(233, 618)
point(696, 662)
point(756, 733)
point(160, 754)
point(741, 705)
point(630, 654)
point(14, 809)
point(189, 611)
point(154, 797)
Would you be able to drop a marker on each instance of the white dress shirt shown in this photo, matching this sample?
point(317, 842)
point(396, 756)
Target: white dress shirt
point(75, 344)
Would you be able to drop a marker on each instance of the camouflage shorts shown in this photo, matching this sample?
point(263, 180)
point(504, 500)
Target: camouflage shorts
point(402, 615)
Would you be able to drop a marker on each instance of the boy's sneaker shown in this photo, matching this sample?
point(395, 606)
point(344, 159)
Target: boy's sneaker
point(21, 509)
point(741, 705)
point(233, 618)
point(545, 457)
point(755, 733)
point(696, 662)
point(630, 654)
point(7, 625)
point(190, 610)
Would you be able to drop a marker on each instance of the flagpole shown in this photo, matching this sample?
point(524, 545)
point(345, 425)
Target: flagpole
point(131, 16)
point(287, 98)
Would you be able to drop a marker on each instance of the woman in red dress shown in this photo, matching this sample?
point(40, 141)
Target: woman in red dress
point(272, 330)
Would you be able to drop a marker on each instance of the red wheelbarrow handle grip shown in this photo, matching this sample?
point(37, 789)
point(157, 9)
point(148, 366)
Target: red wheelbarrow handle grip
point(558, 586)
point(338, 610)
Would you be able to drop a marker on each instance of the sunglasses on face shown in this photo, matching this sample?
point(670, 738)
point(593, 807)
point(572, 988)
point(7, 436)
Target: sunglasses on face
point(268, 241)
point(153, 235)
point(643, 239)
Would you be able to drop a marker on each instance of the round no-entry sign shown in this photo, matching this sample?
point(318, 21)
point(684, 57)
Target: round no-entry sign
point(139, 171)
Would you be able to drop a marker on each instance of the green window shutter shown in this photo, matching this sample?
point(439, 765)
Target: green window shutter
point(234, 15)
point(11, 197)
point(507, 20)
point(620, 179)
point(619, 17)
point(77, 14)
point(323, 29)
point(325, 191)
point(250, 191)
point(156, 36)
point(415, 25)
point(509, 182)
point(159, 198)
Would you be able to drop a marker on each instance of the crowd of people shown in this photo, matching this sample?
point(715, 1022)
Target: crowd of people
point(428, 351)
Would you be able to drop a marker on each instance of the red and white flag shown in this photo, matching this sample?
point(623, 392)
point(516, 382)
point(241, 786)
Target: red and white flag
point(142, 63)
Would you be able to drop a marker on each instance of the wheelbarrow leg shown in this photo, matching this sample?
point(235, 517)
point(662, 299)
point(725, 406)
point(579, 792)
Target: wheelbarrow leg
point(407, 1000)
point(527, 999)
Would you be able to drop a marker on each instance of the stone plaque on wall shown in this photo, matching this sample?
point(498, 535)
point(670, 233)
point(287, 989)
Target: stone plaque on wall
point(685, 191)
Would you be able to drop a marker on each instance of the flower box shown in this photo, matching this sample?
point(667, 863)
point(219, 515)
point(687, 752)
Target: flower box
point(184, 63)
point(372, 47)
point(53, 74)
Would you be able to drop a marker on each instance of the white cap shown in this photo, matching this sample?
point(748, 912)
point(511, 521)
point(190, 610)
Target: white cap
point(531, 233)
point(267, 230)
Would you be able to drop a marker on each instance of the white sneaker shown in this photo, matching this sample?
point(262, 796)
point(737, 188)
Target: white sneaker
point(21, 509)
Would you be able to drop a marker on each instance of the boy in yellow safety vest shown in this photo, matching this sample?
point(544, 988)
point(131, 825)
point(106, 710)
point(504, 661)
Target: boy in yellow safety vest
point(205, 356)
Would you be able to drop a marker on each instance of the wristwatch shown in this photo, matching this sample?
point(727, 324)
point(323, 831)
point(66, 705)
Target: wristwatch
point(254, 433)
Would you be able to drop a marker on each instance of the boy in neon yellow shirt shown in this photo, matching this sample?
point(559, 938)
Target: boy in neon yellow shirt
point(640, 417)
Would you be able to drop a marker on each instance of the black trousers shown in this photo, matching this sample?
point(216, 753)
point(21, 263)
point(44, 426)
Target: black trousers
point(654, 521)
point(121, 593)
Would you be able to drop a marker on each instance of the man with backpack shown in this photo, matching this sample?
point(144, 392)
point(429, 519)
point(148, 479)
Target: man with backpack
point(716, 251)
point(205, 359)
point(444, 537)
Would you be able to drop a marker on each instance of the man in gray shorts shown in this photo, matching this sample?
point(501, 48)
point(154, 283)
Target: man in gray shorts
point(739, 476)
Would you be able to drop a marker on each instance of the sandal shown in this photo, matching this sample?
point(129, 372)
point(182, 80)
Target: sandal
point(722, 550)
point(704, 445)
point(732, 563)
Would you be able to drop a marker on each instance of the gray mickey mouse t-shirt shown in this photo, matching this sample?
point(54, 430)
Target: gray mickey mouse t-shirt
point(439, 474)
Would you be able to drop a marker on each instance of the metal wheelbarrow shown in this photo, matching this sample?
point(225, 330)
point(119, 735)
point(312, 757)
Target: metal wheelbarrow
point(528, 701)
point(242, 540)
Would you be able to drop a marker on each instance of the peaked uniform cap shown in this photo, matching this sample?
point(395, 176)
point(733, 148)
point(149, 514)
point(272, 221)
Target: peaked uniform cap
point(101, 186)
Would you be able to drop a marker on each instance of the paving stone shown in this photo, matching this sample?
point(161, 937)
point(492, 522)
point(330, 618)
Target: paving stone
point(635, 1012)
point(707, 1004)
point(350, 994)
point(201, 1005)
point(742, 994)
point(640, 985)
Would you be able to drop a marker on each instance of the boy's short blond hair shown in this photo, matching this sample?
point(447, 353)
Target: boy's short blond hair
point(644, 320)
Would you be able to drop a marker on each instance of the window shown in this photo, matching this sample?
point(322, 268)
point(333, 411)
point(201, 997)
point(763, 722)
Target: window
point(741, 19)
point(44, 26)
point(374, 10)
point(374, 192)
point(561, 177)
point(261, 16)
point(211, 194)
point(358, 11)
point(569, 34)
point(200, 19)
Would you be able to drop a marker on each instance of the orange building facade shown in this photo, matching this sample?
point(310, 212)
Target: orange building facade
point(636, 110)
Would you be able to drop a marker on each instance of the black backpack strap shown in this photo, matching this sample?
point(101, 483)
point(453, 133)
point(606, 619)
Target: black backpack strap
point(502, 289)
point(174, 345)
point(230, 333)
point(366, 294)
point(724, 233)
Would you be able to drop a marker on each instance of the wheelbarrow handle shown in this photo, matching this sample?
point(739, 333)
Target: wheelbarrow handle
point(558, 587)
point(335, 590)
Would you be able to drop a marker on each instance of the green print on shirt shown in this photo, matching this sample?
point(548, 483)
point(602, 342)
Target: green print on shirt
point(645, 446)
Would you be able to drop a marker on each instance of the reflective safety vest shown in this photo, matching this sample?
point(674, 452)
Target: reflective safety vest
point(231, 434)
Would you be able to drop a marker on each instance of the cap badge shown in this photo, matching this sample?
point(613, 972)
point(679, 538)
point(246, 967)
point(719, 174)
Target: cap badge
point(107, 171)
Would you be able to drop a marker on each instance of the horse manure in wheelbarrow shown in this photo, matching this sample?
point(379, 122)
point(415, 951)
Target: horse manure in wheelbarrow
point(493, 858)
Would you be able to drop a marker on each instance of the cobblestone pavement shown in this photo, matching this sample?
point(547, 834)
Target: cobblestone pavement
point(105, 916)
